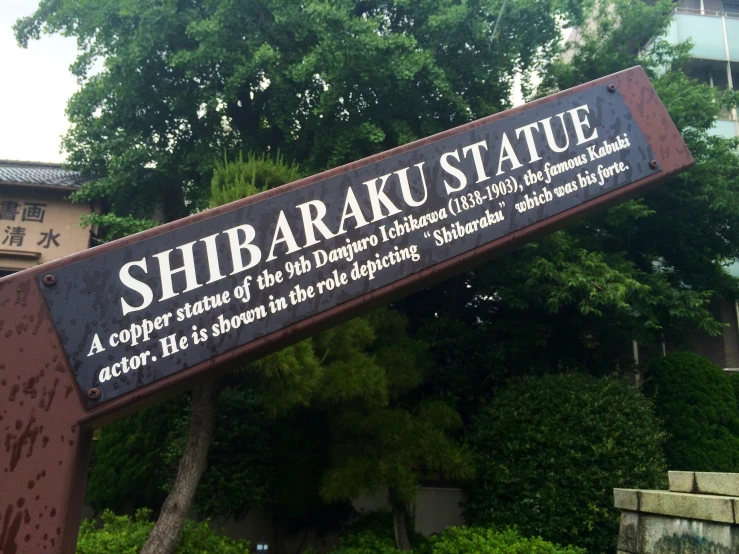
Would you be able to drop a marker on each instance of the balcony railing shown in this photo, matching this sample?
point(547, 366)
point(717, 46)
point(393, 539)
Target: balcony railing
point(711, 13)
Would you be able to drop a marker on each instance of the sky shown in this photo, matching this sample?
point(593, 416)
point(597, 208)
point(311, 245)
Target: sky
point(35, 84)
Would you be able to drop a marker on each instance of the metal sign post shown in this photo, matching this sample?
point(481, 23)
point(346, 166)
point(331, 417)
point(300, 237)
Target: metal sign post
point(100, 334)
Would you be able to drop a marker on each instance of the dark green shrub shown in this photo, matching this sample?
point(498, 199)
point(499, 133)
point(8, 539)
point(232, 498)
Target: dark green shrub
point(457, 540)
point(476, 540)
point(377, 524)
point(128, 468)
point(696, 401)
point(126, 535)
point(551, 449)
point(366, 542)
point(235, 479)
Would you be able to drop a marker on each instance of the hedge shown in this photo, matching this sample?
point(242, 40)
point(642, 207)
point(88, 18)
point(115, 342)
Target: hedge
point(551, 449)
point(697, 403)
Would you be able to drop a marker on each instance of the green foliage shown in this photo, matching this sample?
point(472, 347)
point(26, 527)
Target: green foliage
point(128, 466)
point(617, 30)
point(126, 535)
point(734, 380)
point(179, 84)
point(301, 443)
point(238, 469)
point(366, 543)
point(239, 179)
point(696, 400)
point(287, 378)
point(249, 442)
point(388, 444)
point(113, 227)
point(117, 535)
point(377, 526)
point(351, 376)
point(466, 540)
point(684, 237)
point(550, 450)
point(644, 270)
point(455, 540)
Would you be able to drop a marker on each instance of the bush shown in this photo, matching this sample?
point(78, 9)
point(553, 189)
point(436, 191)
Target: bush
point(238, 179)
point(128, 468)
point(366, 543)
point(126, 535)
point(378, 524)
point(475, 540)
point(551, 449)
point(456, 540)
point(696, 401)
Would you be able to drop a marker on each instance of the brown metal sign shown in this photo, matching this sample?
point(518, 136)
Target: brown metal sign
point(89, 337)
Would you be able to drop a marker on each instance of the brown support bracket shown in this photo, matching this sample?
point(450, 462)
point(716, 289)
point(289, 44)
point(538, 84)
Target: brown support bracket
point(45, 422)
point(45, 451)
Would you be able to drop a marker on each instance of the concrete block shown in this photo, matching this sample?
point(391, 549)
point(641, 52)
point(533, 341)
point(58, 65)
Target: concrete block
point(681, 481)
point(725, 484)
point(668, 535)
point(626, 499)
point(628, 533)
point(692, 506)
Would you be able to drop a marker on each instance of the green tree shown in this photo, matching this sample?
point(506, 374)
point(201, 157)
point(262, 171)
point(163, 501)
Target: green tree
point(696, 401)
point(239, 456)
point(391, 444)
point(549, 451)
point(128, 466)
point(167, 87)
point(286, 379)
point(333, 369)
point(644, 270)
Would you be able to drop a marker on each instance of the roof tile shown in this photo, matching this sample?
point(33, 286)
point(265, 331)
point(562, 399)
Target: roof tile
point(38, 174)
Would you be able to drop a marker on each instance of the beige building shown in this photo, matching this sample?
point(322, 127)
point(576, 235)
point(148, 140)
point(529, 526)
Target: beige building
point(37, 221)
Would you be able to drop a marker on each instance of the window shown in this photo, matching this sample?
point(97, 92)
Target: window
point(702, 74)
point(720, 78)
point(731, 7)
point(713, 7)
point(691, 4)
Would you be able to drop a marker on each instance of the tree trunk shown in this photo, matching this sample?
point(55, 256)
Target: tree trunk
point(166, 533)
point(400, 510)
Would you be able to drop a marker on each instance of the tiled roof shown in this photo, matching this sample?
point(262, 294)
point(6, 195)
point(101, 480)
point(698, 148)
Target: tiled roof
point(38, 174)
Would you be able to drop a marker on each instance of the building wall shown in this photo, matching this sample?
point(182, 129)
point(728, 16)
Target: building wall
point(38, 225)
point(713, 28)
point(722, 350)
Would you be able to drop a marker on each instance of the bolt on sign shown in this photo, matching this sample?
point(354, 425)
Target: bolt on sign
point(97, 335)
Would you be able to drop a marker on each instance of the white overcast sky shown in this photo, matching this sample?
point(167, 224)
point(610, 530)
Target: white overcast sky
point(35, 84)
